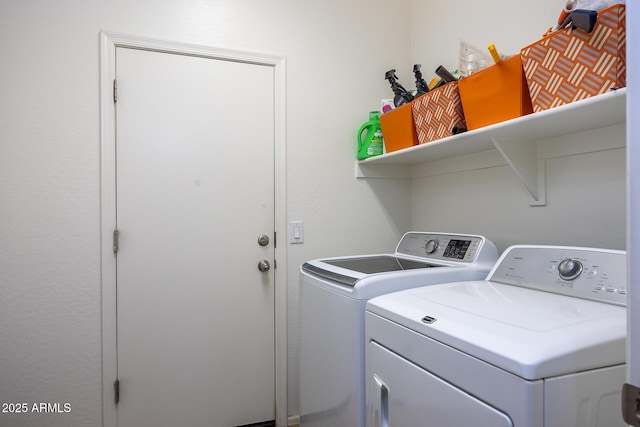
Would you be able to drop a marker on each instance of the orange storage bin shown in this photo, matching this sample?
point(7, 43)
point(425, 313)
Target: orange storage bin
point(398, 129)
point(495, 94)
point(570, 64)
point(437, 112)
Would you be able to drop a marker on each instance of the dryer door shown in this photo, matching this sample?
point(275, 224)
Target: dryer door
point(402, 394)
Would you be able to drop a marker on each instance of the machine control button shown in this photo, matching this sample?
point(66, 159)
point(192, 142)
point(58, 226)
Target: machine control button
point(431, 246)
point(569, 269)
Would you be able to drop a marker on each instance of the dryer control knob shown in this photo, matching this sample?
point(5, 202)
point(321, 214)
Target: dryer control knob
point(569, 269)
point(431, 246)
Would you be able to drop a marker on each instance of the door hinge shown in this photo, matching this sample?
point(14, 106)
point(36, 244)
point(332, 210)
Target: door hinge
point(115, 90)
point(116, 241)
point(275, 239)
point(631, 404)
point(116, 390)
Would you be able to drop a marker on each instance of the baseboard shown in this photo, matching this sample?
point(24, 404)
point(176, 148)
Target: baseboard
point(294, 420)
point(262, 424)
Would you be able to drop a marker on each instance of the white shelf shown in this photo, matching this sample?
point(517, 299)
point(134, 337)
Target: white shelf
point(514, 139)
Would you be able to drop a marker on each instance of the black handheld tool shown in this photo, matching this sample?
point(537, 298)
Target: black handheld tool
point(584, 19)
point(421, 85)
point(439, 83)
point(458, 129)
point(402, 95)
point(445, 75)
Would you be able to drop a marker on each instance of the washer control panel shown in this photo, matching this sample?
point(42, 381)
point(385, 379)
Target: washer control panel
point(447, 247)
point(595, 274)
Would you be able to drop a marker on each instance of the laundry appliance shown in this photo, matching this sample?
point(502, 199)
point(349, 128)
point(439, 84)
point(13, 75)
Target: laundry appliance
point(539, 343)
point(333, 297)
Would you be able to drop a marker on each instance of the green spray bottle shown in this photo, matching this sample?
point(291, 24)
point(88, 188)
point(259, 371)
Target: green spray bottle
point(371, 144)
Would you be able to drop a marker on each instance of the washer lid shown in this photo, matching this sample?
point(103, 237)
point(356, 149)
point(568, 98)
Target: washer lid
point(352, 269)
point(531, 333)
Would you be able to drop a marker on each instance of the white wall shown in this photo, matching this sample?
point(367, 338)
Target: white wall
point(438, 27)
point(50, 320)
point(585, 192)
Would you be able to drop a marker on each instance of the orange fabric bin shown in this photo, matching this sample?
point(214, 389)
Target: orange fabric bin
point(495, 94)
point(570, 64)
point(437, 112)
point(398, 129)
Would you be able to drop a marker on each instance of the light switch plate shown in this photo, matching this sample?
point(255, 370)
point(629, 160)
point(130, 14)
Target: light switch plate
point(296, 232)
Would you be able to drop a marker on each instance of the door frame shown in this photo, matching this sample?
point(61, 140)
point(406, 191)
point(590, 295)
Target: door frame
point(109, 41)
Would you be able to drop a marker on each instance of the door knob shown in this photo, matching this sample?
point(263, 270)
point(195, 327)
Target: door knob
point(263, 240)
point(264, 265)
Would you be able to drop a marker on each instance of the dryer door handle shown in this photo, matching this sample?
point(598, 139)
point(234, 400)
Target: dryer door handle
point(381, 411)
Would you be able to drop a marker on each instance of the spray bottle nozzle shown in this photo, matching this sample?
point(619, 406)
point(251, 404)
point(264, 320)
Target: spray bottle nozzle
point(402, 96)
point(421, 85)
point(390, 75)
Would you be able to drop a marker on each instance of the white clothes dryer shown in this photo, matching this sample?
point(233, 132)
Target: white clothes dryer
point(539, 343)
point(333, 297)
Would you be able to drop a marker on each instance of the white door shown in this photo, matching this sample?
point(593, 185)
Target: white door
point(194, 191)
point(632, 396)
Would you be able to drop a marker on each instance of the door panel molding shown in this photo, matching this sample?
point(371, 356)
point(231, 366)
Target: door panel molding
point(109, 41)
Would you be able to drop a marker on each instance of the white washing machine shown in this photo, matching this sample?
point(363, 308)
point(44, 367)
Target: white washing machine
point(333, 297)
point(539, 343)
